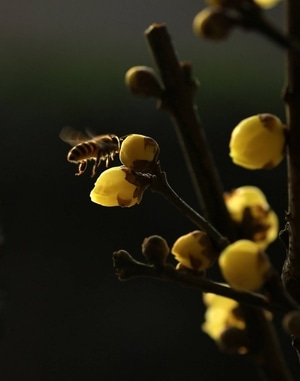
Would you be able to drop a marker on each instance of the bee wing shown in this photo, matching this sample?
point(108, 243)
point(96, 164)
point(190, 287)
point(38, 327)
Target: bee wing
point(72, 136)
point(90, 133)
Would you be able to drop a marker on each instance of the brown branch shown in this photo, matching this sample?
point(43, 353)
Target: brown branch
point(264, 346)
point(178, 101)
point(127, 268)
point(252, 17)
point(291, 268)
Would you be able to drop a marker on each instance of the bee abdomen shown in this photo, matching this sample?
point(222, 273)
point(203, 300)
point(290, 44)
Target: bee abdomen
point(83, 151)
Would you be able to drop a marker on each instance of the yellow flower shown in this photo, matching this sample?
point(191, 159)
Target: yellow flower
point(139, 152)
point(112, 189)
point(221, 314)
point(194, 250)
point(248, 207)
point(258, 142)
point(244, 265)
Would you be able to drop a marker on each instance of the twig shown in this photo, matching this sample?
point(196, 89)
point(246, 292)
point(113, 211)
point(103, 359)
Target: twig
point(127, 268)
point(177, 100)
point(160, 185)
point(252, 17)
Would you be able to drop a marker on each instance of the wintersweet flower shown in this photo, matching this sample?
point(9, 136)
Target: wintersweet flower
point(258, 142)
point(221, 313)
point(139, 152)
point(244, 265)
point(249, 209)
point(112, 188)
point(194, 250)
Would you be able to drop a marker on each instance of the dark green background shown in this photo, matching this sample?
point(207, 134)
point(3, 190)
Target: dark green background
point(67, 317)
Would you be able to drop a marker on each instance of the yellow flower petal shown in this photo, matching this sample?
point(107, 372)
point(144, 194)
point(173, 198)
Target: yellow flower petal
point(194, 250)
point(112, 189)
point(258, 142)
point(139, 152)
point(244, 265)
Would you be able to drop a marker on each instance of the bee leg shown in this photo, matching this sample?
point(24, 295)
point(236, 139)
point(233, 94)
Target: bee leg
point(96, 165)
point(81, 168)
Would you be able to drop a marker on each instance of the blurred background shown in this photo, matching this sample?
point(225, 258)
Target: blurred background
point(66, 316)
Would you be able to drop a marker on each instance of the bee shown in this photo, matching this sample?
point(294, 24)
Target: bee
point(89, 147)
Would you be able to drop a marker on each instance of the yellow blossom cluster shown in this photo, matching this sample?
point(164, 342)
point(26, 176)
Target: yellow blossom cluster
point(117, 186)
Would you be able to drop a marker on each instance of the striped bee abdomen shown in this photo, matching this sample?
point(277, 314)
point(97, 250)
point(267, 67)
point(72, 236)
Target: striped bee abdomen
point(83, 151)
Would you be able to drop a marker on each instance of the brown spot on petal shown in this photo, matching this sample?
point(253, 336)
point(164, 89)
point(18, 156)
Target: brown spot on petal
point(195, 263)
point(138, 193)
point(123, 202)
point(142, 165)
point(269, 165)
point(269, 121)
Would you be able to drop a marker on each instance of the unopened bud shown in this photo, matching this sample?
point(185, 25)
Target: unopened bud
point(212, 24)
point(139, 152)
point(291, 323)
point(142, 81)
point(155, 249)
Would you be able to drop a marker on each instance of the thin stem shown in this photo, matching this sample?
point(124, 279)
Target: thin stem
point(178, 101)
point(161, 185)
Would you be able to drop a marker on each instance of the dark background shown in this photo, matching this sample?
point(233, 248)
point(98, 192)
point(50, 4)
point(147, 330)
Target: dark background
point(66, 316)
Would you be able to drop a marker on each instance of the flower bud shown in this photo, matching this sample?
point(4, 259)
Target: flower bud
point(212, 24)
point(249, 209)
point(194, 250)
point(155, 249)
point(244, 265)
point(112, 189)
point(258, 142)
point(291, 323)
point(139, 152)
point(142, 81)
